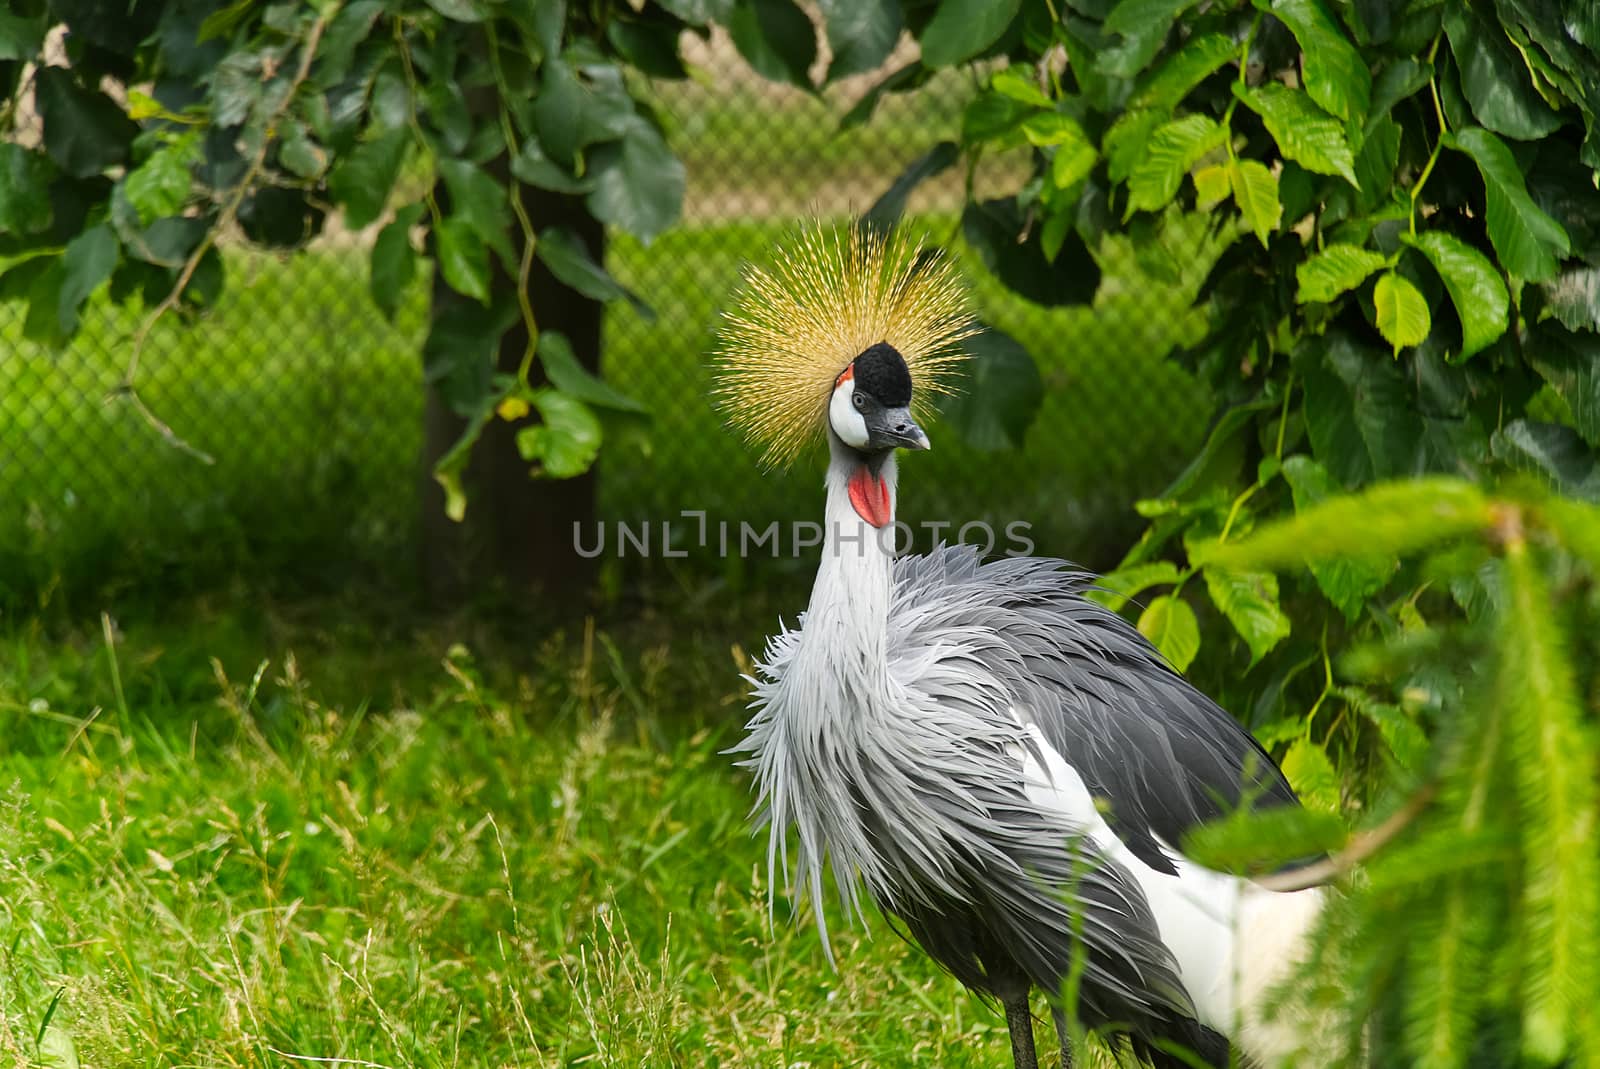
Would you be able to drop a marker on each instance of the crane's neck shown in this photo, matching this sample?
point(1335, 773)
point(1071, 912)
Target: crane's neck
point(847, 621)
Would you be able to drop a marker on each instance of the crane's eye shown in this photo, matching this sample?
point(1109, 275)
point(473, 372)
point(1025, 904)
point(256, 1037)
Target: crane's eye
point(860, 401)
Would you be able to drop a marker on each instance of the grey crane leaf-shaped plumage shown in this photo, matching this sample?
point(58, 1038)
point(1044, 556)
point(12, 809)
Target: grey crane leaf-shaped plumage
point(1163, 756)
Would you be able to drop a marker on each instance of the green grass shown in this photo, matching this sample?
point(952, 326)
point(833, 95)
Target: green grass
point(309, 402)
point(256, 836)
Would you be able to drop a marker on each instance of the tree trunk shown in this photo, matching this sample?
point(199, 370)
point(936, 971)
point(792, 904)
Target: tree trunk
point(517, 538)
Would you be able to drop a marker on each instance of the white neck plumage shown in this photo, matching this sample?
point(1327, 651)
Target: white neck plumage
point(847, 620)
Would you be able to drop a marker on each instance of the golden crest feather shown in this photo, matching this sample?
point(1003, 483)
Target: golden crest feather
point(829, 295)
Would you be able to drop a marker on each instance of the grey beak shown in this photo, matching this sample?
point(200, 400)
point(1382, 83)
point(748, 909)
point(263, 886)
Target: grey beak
point(902, 430)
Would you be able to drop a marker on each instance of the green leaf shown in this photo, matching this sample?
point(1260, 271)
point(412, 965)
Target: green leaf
point(463, 258)
point(279, 216)
point(996, 231)
point(1494, 76)
point(1576, 524)
point(1143, 26)
point(1002, 396)
point(569, 259)
point(1255, 191)
point(159, 186)
point(994, 117)
point(1074, 156)
point(205, 286)
point(648, 45)
point(638, 183)
point(447, 471)
point(1554, 756)
point(566, 442)
point(362, 179)
point(1573, 297)
point(1124, 143)
point(89, 260)
point(776, 38)
point(1550, 450)
point(960, 29)
point(21, 37)
point(1335, 74)
point(349, 27)
point(1570, 363)
point(299, 154)
point(1218, 459)
point(887, 209)
point(24, 190)
point(1071, 164)
point(1528, 242)
point(900, 80)
point(85, 133)
point(1389, 520)
point(1304, 132)
point(1116, 589)
point(42, 324)
point(460, 10)
point(1475, 288)
point(394, 261)
point(1397, 79)
point(1250, 602)
point(532, 166)
point(1347, 582)
point(1401, 734)
point(1168, 85)
point(1376, 163)
point(1335, 270)
point(1169, 624)
point(558, 111)
point(239, 87)
point(1171, 151)
point(1019, 82)
point(1402, 312)
point(459, 353)
point(481, 201)
point(861, 34)
point(1312, 775)
point(566, 374)
point(700, 12)
point(1211, 186)
point(1265, 839)
point(1363, 418)
point(1453, 945)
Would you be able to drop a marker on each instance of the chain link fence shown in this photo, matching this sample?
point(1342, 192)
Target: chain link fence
point(294, 407)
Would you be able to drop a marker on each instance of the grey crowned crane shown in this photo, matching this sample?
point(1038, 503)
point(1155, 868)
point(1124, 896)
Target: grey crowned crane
point(1008, 768)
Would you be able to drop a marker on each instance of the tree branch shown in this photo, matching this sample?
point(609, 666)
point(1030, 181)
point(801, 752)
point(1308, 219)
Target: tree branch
point(225, 218)
point(1361, 846)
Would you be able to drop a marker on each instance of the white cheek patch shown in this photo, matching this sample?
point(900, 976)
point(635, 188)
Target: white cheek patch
point(842, 415)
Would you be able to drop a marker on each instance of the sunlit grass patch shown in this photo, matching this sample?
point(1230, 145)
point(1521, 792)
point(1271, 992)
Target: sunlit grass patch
point(229, 871)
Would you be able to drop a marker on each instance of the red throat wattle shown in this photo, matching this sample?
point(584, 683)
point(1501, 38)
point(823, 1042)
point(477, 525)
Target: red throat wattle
point(870, 496)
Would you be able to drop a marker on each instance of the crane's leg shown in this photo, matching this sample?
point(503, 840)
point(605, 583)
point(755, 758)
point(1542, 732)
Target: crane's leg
point(1020, 1024)
point(1064, 1035)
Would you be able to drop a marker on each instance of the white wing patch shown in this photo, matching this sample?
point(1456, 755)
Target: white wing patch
point(1195, 910)
point(1233, 941)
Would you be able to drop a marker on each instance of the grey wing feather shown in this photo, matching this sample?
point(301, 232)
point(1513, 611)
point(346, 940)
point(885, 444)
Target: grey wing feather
point(1161, 754)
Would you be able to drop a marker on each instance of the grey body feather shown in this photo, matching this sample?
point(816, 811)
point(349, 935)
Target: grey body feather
point(886, 735)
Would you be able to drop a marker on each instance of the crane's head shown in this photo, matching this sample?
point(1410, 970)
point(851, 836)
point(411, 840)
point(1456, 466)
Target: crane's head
point(849, 330)
point(870, 408)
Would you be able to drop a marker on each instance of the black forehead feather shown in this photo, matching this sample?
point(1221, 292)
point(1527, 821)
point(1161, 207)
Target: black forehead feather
point(881, 372)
